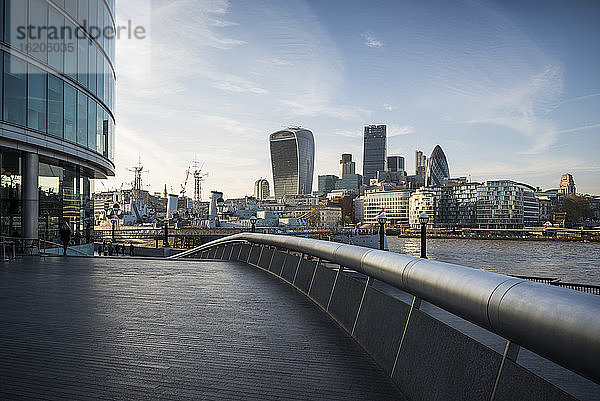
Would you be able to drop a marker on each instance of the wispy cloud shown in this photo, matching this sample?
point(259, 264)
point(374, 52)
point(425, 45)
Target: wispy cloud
point(578, 98)
point(371, 40)
point(231, 87)
point(396, 130)
point(221, 23)
point(485, 71)
point(388, 107)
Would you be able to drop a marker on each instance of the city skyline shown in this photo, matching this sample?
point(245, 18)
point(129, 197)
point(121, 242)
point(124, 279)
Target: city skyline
point(507, 94)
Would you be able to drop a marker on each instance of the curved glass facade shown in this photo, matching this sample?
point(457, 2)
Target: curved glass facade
point(57, 96)
point(437, 168)
point(292, 160)
point(57, 69)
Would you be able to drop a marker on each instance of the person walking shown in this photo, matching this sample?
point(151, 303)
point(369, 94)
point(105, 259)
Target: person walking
point(131, 253)
point(117, 249)
point(65, 235)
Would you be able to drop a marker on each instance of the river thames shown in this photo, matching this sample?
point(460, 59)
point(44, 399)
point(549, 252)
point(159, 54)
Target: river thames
point(575, 262)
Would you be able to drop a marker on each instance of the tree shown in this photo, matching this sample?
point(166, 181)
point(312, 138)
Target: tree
point(577, 208)
point(314, 219)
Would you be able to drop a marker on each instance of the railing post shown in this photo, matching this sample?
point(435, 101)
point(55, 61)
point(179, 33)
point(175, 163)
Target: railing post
point(367, 284)
point(416, 305)
point(340, 270)
point(511, 352)
point(271, 260)
point(313, 276)
point(262, 247)
point(297, 268)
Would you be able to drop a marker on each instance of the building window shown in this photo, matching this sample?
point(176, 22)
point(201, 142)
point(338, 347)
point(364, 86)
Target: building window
point(71, 7)
point(83, 59)
point(81, 119)
point(15, 15)
point(92, 112)
point(15, 90)
point(36, 99)
point(70, 52)
point(100, 75)
point(92, 67)
point(70, 95)
point(82, 13)
point(55, 45)
point(99, 131)
point(55, 106)
point(38, 11)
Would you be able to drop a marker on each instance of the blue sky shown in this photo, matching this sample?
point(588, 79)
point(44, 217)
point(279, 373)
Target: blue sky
point(509, 89)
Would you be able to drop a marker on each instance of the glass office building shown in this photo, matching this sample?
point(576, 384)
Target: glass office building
point(293, 161)
point(374, 151)
point(56, 105)
point(395, 164)
point(437, 168)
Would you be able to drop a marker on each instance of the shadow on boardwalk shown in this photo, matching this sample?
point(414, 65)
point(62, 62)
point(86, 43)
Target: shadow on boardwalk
point(106, 328)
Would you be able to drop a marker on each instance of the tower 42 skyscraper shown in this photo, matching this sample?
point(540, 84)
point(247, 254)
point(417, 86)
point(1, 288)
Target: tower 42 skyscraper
point(374, 151)
point(293, 161)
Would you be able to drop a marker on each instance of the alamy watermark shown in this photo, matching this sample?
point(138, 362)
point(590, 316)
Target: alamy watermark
point(49, 38)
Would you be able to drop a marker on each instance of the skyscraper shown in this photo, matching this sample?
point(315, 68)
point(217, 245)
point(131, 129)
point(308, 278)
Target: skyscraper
point(347, 166)
point(437, 168)
point(420, 165)
point(262, 190)
point(567, 185)
point(326, 183)
point(395, 164)
point(292, 160)
point(374, 151)
point(57, 129)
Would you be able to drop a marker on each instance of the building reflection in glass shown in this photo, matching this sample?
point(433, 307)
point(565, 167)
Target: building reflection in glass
point(64, 194)
point(10, 194)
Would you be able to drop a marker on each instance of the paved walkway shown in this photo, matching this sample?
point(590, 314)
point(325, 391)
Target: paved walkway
point(146, 329)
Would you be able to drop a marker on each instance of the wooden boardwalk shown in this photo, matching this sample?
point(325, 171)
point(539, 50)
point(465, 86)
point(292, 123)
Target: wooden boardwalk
point(76, 328)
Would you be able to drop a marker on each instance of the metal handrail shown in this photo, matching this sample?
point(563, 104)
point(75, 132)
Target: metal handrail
point(60, 246)
point(559, 324)
point(33, 241)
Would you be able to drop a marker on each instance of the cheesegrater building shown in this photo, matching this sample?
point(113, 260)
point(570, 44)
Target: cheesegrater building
point(292, 160)
point(57, 121)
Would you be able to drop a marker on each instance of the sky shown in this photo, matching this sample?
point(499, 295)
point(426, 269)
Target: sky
point(509, 89)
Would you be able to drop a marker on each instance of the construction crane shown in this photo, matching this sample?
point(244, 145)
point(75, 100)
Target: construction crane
point(184, 185)
point(199, 176)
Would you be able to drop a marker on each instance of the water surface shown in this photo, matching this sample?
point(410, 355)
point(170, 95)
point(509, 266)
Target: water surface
point(569, 261)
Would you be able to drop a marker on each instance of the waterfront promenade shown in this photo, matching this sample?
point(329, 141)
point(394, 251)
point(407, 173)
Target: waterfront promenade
point(104, 328)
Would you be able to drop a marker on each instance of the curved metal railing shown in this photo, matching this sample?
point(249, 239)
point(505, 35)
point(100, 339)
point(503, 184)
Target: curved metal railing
point(33, 244)
point(557, 323)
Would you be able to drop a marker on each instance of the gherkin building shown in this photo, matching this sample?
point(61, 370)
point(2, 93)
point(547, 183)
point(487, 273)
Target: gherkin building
point(437, 168)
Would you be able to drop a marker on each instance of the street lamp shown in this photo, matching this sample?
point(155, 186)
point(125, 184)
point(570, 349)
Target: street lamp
point(381, 218)
point(424, 219)
point(253, 222)
point(114, 215)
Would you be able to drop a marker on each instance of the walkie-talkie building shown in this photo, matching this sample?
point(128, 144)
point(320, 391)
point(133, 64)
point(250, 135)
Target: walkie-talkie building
point(293, 161)
point(56, 112)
